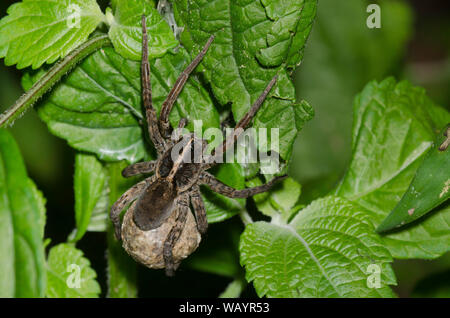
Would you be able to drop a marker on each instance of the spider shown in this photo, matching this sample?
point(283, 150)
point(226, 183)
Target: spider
point(159, 229)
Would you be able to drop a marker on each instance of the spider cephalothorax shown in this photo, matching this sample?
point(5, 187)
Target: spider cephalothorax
point(159, 229)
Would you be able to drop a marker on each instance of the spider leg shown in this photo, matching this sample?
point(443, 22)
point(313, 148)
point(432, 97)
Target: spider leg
point(242, 124)
point(139, 168)
point(182, 123)
point(182, 207)
point(177, 134)
point(150, 111)
point(221, 188)
point(199, 209)
point(126, 198)
point(176, 90)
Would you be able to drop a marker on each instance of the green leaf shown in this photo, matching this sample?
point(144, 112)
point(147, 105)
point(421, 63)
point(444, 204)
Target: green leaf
point(394, 126)
point(249, 36)
point(51, 77)
point(126, 29)
point(287, 38)
point(342, 56)
point(100, 214)
point(39, 31)
point(89, 182)
point(70, 274)
point(97, 108)
point(40, 200)
point(234, 289)
point(219, 207)
point(429, 188)
point(329, 249)
point(280, 201)
point(22, 219)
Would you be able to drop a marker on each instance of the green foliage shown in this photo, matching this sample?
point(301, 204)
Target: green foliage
point(280, 201)
point(429, 188)
point(299, 258)
point(22, 219)
point(234, 289)
point(24, 271)
point(52, 77)
point(394, 126)
point(248, 38)
point(40, 31)
point(69, 274)
point(342, 55)
point(325, 251)
point(97, 108)
point(89, 183)
point(126, 29)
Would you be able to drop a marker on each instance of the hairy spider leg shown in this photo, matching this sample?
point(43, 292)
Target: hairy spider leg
point(150, 111)
point(177, 88)
point(126, 198)
point(182, 207)
point(242, 124)
point(199, 209)
point(219, 187)
point(139, 168)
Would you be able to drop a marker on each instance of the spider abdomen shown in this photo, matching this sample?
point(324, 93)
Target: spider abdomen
point(154, 205)
point(147, 247)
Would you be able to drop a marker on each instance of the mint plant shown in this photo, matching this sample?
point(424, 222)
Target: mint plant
point(91, 99)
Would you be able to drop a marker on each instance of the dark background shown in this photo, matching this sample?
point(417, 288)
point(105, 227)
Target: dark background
point(342, 55)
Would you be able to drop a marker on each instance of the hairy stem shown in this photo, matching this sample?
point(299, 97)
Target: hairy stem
point(50, 78)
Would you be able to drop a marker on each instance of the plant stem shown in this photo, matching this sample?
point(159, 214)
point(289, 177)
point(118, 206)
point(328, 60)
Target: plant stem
point(245, 217)
point(234, 289)
point(50, 78)
point(121, 267)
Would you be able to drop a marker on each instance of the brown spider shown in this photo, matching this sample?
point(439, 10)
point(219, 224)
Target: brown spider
point(159, 229)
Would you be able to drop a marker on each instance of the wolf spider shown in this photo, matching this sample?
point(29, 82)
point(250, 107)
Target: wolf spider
point(154, 226)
